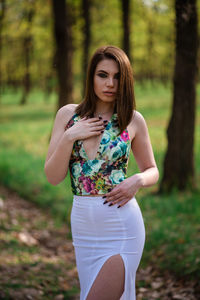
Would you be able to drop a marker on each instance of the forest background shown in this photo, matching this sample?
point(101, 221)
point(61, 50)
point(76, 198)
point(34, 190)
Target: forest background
point(29, 100)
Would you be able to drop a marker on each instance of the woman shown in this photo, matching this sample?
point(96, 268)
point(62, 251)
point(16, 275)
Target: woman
point(93, 139)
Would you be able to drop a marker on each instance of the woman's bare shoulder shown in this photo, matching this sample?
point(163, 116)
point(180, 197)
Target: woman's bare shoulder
point(137, 123)
point(66, 112)
point(137, 119)
point(67, 109)
point(137, 116)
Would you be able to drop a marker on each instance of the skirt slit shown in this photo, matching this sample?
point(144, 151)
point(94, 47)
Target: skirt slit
point(96, 272)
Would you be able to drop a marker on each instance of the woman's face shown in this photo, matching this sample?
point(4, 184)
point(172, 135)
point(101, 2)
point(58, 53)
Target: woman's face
point(106, 79)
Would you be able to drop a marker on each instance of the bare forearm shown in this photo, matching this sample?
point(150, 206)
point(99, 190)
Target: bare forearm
point(147, 178)
point(57, 165)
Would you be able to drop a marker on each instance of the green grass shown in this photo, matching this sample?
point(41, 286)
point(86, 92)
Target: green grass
point(46, 280)
point(171, 221)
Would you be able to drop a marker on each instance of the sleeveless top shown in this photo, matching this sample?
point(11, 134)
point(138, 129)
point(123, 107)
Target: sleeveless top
point(107, 169)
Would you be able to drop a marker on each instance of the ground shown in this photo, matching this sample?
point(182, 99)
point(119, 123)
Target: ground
point(37, 259)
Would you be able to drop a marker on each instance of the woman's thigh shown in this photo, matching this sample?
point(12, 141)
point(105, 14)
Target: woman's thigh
point(109, 283)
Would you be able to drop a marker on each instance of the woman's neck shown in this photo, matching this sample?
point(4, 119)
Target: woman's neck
point(104, 109)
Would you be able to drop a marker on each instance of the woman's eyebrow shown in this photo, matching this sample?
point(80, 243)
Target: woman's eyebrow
point(102, 71)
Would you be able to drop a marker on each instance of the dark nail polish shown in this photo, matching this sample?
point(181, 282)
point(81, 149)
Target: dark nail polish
point(110, 190)
point(110, 204)
point(104, 197)
point(118, 206)
point(101, 131)
point(105, 202)
point(100, 117)
point(105, 121)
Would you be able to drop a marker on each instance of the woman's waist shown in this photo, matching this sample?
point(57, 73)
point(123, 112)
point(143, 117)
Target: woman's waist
point(96, 184)
point(95, 200)
point(88, 199)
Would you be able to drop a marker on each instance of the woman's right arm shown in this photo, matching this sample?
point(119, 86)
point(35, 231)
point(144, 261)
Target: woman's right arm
point(61, 143)
point(60, 148)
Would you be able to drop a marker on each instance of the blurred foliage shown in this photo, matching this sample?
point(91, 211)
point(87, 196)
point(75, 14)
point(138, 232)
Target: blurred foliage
point(152, 39)
point(14, 29)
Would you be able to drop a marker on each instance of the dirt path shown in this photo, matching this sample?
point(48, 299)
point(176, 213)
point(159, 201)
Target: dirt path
point(37, 259)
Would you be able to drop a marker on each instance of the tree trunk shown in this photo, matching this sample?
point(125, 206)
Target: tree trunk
point(150, 55)
point(86, 38)
point(62, 31)
point(179, 159)
point(27, 49)
point(2, 14)
point(126, 26)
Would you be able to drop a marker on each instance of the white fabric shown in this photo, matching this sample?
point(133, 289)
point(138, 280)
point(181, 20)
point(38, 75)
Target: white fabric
point(101, 231)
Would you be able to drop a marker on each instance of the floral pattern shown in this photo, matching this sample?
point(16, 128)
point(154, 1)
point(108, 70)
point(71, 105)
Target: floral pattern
point(100, 175)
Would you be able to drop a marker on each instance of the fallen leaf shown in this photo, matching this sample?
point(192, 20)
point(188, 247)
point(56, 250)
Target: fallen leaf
point(27, 239)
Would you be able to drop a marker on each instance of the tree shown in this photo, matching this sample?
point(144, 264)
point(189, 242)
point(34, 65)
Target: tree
point(86, 37)
point(126, 26)
point(150, 52)
point(27, 42)
point(62, 31)
point(2, 14)
point(179, 163)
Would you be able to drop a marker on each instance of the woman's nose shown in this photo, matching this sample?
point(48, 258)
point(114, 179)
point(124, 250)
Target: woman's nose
point(110, 81)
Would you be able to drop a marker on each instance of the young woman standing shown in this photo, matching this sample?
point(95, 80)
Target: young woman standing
point(93, 140)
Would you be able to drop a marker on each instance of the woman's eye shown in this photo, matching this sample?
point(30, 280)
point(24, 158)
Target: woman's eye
point(102, 75)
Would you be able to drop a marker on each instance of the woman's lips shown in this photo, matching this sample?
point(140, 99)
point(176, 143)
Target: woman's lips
point(109, 93)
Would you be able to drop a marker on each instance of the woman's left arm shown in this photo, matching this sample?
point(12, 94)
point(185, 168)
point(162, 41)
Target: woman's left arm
point(143, 153)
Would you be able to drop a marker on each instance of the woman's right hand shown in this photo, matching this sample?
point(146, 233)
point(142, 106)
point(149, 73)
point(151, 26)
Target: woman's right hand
point(61, 143)
point(85, 128)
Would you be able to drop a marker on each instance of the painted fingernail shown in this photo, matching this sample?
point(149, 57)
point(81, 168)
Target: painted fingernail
point(110, 190)
point(101, 131)
point(118, 206)
point(110, 204)
point(100, 117)
point(105, 121)
point(105, 202)
point(104, 197)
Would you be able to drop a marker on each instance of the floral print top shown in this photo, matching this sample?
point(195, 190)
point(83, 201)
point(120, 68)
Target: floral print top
point(100, 175)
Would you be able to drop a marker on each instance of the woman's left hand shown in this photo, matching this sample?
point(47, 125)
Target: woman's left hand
point(124, 191)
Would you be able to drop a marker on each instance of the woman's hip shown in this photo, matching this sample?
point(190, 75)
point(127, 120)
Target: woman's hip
point(89, 216)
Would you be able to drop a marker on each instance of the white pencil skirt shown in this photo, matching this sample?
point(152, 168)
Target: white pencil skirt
point(101, 231)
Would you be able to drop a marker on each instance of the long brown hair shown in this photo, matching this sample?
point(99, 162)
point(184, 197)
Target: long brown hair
point(125, 101)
